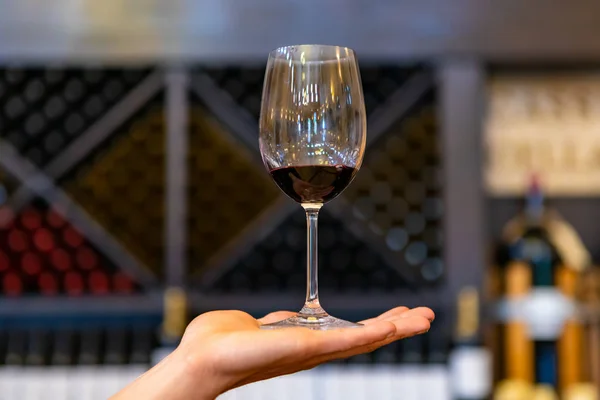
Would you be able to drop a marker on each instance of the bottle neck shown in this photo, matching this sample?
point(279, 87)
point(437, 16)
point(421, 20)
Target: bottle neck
point(534, 207)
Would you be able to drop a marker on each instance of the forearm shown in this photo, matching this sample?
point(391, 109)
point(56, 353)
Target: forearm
point(174, 378)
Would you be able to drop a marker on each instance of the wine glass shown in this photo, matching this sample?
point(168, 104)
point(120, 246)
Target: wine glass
point(312, 142)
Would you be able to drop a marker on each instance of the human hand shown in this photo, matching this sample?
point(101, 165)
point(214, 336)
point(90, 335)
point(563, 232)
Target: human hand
point(222, 350)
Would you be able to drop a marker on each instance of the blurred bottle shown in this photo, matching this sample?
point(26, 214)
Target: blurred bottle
point(90, 347)
point(542, 338)
point(62, 346)
point(15, 348)
point(115, 352)
point(437, 384)
point(141, 348)
point(174, 322)
point(514, 389)
point(438, 342)
point(532, 355)
point(37, 348)
point(590, 296)
point(470, 362)
point(410, 375)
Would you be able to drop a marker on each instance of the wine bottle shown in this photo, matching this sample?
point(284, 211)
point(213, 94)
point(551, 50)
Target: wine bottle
point(518, 348)
point(570, 344)
point(174, 322)
point(37, 348)
point(62, 348)
point(437, 384)
point(409, 375)
point(530, 354)
point(542, 339)
point(492, 332)
point(15, 348)
point(115, 346)
point(470, 362)
point(591, 299)
point(61, 360)
point(90, 356)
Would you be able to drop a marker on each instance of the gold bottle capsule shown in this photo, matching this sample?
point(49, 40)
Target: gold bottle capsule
point(544, 392)
point(514, 389)
point(581, 391)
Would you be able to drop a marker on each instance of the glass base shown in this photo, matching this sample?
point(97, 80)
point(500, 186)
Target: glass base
point(321, 322)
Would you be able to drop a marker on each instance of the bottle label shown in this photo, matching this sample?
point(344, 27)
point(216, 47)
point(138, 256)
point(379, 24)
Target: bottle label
point(471, 372)
point(543, 310)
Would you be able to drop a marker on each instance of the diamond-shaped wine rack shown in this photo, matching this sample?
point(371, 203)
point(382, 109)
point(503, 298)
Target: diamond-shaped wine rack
point(393, 210)
point(225, 190)
point(277, 264)
point(89, 144)
point(122, 185)
point(54, 123)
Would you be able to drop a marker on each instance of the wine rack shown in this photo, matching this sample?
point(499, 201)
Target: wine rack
point(67, 346)
point(277, 264)
point(42, 253)
point(129, 165)
point(396, 197)
point(381, 82)
point(43, 110)
point(398, 191)
point(7, 188)
point(245, 85)
point(225, 190)
point(65, 362)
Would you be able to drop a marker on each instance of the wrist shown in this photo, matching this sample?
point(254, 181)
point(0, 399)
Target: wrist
point(197, 378)
point(178, 377)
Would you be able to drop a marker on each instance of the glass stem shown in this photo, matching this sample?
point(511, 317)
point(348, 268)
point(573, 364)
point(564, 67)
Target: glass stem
point(312, 307)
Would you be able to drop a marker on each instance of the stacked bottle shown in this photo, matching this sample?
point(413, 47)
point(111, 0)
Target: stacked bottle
point(542, 343)
point(40, 252)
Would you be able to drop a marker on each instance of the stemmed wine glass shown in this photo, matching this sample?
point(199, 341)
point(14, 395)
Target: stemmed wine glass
point(312, 141)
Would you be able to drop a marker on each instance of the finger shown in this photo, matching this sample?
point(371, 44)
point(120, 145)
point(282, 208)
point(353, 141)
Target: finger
point(328, 342)
point(405, 327)
point(275, 317)
point(410, 326)
point(420, 312)
point(388, 314)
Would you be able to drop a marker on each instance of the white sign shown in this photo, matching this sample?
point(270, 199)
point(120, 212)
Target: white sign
point(546, 125)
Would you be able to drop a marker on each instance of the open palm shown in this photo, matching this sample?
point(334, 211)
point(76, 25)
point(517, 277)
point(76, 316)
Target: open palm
point(239, 352)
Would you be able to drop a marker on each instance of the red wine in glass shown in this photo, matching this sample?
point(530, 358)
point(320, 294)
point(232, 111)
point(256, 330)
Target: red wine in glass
point(313, 183)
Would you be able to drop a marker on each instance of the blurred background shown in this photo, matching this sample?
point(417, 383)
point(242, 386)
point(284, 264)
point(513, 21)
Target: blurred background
point(133, 197)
